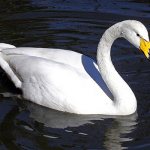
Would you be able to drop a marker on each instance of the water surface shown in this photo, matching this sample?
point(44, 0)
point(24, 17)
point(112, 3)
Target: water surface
point(74, 25)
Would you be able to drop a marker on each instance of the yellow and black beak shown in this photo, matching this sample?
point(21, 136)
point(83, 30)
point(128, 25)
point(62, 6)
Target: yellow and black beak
point(145, 47)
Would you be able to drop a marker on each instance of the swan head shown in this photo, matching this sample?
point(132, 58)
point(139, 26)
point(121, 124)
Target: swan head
point(136, 33)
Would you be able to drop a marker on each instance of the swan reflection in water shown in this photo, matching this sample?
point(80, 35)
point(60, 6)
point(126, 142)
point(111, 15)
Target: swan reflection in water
point(109, 132)
point(115, 133)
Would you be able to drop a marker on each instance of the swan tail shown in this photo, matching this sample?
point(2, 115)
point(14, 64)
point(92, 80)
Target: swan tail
point(6, 67)
point(4, 45)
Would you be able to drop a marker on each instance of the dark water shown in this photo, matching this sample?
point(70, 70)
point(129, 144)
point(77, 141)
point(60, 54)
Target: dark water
point(76, 25)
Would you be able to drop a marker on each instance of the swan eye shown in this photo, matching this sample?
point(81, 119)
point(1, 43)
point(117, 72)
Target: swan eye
point(138, 35)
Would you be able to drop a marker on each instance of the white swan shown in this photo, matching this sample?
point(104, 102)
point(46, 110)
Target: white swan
point(72, 82)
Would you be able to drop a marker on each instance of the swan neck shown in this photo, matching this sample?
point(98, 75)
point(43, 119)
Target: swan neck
point(124, 98)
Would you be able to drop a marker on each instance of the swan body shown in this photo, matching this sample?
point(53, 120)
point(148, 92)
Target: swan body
point(72, 82)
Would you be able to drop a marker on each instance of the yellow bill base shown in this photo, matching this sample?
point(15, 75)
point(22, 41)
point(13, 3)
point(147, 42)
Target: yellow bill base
point(145, 47)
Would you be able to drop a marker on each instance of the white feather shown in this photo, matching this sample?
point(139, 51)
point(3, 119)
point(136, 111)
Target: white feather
point(72, 82)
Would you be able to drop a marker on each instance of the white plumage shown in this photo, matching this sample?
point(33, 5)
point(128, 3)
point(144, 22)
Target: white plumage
point(71, 82)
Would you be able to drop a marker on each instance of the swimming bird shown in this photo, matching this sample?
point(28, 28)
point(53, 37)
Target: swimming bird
point(72, 82)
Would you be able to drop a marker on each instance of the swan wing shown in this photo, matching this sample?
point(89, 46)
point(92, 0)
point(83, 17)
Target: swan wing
point(48, 83)
point(57, 85)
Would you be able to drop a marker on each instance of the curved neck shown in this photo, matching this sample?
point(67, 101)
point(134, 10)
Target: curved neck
point(124, 99)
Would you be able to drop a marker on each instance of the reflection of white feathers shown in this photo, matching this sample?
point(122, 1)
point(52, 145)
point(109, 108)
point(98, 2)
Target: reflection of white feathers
point(55, 119)
point(72, 82)
point(115, 133)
